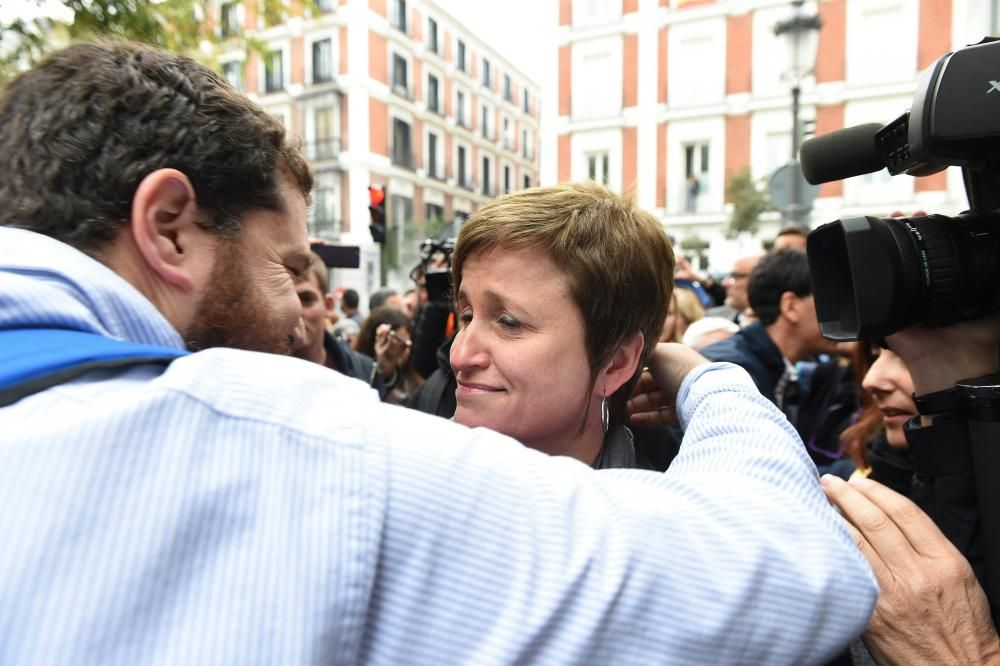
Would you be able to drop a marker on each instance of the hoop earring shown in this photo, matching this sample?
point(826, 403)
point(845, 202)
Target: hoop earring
point(605, 416)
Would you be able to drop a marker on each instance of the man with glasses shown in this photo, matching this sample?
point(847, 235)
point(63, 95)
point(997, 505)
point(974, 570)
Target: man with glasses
point(737, 302)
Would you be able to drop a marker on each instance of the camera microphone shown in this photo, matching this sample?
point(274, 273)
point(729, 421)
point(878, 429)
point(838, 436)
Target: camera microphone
point(844, 153)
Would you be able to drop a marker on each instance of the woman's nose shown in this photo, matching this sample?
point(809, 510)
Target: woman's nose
point(468, 349)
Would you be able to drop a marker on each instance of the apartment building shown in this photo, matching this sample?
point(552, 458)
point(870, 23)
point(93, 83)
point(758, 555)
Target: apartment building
point(655, 95)
point(391, 93)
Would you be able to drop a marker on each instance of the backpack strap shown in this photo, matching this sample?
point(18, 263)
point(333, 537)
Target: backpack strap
point(34, 359)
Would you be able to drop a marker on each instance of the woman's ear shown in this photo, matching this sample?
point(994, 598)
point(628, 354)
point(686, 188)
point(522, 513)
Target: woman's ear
point(164, 227)
point(623, 365)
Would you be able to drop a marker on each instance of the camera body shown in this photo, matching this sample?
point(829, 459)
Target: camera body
point(435, 265)
point(875, 276)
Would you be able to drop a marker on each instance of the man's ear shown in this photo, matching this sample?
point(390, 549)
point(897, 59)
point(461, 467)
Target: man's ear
point(790, 306)
point(622, 365)
point(163, 225)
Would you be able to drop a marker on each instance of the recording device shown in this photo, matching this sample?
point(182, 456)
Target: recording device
point(435, 266)
point(338, 256)
point(874, 276)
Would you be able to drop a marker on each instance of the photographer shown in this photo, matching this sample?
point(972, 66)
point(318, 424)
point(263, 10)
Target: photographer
point(931, 609)
point(927, 286)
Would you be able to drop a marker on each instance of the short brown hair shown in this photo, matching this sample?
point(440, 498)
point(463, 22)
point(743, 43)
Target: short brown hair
point(80, 131)
point(617, 259)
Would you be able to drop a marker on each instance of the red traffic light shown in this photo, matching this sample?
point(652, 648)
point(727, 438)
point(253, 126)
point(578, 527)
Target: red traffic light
point(376, 195)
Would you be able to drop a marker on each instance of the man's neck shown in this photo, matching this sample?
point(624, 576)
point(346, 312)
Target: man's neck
point(787, 343)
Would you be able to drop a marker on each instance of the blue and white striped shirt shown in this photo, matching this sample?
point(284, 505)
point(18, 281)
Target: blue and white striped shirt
point(243, 508)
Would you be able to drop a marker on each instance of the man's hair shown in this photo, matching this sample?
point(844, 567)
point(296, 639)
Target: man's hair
point(618, 263)
point(778, 272)
point(379, 298)
point(350, 299)
point(80, 131)
point(793, 230)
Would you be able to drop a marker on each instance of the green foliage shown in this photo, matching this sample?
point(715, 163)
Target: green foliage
point(749, 201)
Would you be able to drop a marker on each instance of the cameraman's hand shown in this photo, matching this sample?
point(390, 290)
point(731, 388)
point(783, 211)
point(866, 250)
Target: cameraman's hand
point(930, 609)
point(939, 357)
point(654, 399)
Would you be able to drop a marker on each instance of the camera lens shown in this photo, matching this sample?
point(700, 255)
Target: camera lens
point(875, 276)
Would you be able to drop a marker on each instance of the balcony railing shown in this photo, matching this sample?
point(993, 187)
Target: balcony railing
point(467, 184)
point(323, 149)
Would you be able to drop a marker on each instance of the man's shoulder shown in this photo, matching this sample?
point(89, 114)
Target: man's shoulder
point(733, 349)
point(266, 387)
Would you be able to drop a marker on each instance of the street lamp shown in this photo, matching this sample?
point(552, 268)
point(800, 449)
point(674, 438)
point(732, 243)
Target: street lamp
point(801, 32)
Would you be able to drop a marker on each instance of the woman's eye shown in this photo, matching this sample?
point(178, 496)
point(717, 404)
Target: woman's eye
point(508, 322)
point(464, 319)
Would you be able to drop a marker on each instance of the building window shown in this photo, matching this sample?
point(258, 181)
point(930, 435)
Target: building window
point(463, 171)
point(401, 153)
point(322, 63)
point(398, 17)
point(324, 218)
point(527, 181)
point(325, 6)
point(487, 130)
point(325, 144)
point(695, 174)
point(525, 105)
point(506, 179)
point(461, 116)
point(597, 168)
point(433, 212)
point(525, 146)
point(433, 95)
point(487, 75)
point(508, 88)
point(400, 76)
point(461, 56)
point(508, 133)
point(486, 175)
point(432, 35)
point(229, 19)
point(233, 72)
point(274, 72)
point(432, 155)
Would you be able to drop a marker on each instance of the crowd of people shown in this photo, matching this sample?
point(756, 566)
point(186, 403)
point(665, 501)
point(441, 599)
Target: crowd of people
point(533, 466)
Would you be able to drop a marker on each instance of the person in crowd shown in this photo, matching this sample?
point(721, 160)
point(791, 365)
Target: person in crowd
point(875, 442)
point(349, 306)
point(684, 309)
point(411, 303)
point(685, 274)
point(737, 307)
point(792, 237)
point(779, 351)
point(386, 296)
point(707, 331)
point(317, 344)
point(540, 354)
point(186, 498)
point(387, 336)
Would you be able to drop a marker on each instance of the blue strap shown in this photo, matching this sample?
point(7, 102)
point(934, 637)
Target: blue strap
point(36, 358)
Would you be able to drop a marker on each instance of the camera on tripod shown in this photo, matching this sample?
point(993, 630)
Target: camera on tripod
point(874, 276)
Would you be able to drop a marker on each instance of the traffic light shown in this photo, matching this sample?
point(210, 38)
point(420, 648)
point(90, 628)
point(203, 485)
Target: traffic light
point(376, 207)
